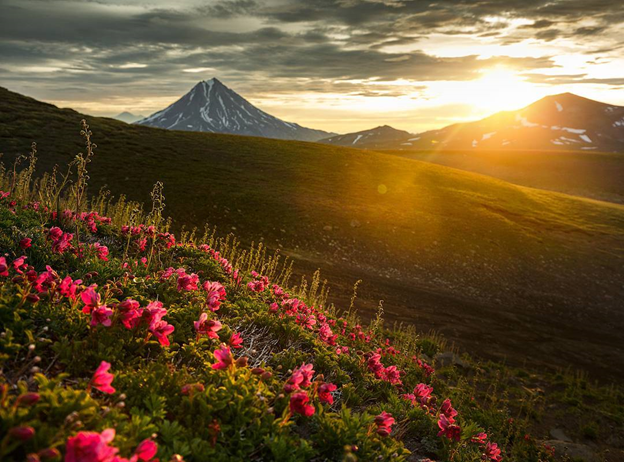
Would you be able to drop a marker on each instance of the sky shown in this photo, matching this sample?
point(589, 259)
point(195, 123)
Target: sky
point(337, 65)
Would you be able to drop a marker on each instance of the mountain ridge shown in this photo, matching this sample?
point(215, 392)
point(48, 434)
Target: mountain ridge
point(210, 106)
point(128, 117)
point(556, 122)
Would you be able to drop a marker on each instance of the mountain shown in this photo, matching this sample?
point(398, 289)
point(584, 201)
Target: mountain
point(212, 107)
point(377, 137)
point(128, 117)
point(494, 265)
point(560, 122)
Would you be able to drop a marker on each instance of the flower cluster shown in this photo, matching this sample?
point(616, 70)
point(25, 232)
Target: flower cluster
point(96, 447)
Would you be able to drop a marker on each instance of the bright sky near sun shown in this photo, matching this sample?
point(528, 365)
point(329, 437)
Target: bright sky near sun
point(338, 65)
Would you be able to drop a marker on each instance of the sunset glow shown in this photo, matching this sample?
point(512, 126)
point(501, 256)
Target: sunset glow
point(351, 63)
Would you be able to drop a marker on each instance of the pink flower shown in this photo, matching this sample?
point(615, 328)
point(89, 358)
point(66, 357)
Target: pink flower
point(90, 298)
point(300, 378)
point(102, 379)
point(146, 450)
point(55, 233)
point(130, 313)
point(141, 243)
point(154, 312)
point(207, 326)
point(422, 395)
point(448, 428)
point(61, 244)
point(325, 393)
point(308, 372)
point(167, 273)
point(91, 447)
point(492, 452)
point(384, 422)
point(236, 341)
point(68, 288)
point(101, 315)
point(101, 250)
point(392, 375)
point(187, 282)
point(299, 404)
point(45, 280)
point(19, 264)
point(224, 358)
point(161, 330)
point(479, 438)
point(215, 294)
point(4, 268)
point(375, 366)
point(448, 410)
point(25, 243)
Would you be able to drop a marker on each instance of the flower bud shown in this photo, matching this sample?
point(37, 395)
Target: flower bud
point(28, 399)
point(242, 361)
point(49, 453)
point(23, 433)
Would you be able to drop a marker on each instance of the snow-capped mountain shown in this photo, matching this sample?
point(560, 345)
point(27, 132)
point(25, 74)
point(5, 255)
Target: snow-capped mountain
point(374, 138)
point(561, 122)
point(210, 106)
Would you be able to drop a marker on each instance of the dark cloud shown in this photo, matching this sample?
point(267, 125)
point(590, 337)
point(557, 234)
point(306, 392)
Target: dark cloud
point(540, 24)
point(231, 8)
point(75, 46)
point(589, 30)
point(563, 79)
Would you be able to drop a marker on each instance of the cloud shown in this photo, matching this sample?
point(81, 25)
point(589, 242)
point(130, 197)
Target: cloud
point(86, 49)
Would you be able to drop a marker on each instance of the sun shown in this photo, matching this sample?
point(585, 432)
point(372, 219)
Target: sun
point(500, 89)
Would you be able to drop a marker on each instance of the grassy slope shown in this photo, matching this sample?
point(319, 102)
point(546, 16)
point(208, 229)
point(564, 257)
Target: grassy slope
point(235, 414)
point(477, 258)
point(588, 174)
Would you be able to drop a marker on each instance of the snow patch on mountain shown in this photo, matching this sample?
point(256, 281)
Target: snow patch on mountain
point(212, 107)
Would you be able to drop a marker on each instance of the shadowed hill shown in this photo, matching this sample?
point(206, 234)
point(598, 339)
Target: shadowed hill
point(497, 266)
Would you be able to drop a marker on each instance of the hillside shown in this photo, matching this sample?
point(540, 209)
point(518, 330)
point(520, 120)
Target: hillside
point(492, 265)
point(123, 343)
point(594, 175)
point(212, 107)
point(564, 122)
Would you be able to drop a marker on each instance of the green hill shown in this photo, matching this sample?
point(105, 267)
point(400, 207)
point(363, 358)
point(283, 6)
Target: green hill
point(120, 342)
point(594, 175)
point(496, 266)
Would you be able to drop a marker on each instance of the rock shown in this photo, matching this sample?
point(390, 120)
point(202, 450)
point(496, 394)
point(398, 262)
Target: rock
point(355, 224)
point(559, 434)
point(573, 450)
point(448, 358)
point(327, 228)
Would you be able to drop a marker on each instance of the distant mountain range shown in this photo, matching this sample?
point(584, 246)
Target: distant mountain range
point(563, 122)
point(377, 137)
point(210, 106)
point(128, 117)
